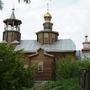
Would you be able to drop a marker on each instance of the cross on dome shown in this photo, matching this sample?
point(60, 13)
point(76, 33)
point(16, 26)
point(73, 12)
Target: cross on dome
point(13, 15)
point(86, 38)
point(47, 15)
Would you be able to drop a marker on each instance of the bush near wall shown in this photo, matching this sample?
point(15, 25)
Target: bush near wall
point(67, 75)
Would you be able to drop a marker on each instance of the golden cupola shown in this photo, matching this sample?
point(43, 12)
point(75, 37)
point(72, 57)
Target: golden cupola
point(47, 24)
point(47, 35)
point(47, 17)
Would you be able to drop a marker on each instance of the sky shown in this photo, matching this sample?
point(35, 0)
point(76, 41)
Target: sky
point(71, 18)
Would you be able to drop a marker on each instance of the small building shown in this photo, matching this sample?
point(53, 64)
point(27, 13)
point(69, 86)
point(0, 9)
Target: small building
point(85, 53)
point(42, 52)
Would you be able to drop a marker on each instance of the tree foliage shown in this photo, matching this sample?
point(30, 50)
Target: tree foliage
point(13, 75)
point(1, 4)
point(69, 68)
point(26, 1)
point(66, 68)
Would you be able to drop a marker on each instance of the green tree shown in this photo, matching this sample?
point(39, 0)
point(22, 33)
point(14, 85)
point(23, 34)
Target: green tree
point(84, 64)
point(25, 1)
point(1, 4)
point(13, 74)
point(67, 68)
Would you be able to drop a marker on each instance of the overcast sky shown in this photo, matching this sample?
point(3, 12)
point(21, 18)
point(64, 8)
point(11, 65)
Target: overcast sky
point(71, 18)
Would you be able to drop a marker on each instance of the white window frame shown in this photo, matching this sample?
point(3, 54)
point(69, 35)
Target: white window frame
point(40, 67)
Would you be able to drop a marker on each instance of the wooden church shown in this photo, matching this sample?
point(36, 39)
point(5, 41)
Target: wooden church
point(42, 52)
point(85, 52)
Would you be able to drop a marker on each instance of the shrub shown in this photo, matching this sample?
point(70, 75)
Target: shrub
point(66, 68)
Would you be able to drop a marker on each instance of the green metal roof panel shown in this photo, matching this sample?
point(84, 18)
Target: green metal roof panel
point(62, 45)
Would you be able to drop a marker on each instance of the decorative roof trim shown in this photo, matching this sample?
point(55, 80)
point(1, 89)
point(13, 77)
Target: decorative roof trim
point(47, 31)
point(37, 53)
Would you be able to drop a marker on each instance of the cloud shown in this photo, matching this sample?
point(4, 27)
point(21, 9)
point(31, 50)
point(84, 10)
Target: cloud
point(68, 2)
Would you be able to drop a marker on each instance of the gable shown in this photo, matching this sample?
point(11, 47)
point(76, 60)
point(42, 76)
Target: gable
point(40, 53)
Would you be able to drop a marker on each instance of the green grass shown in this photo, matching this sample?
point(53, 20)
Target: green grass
point(64, 84)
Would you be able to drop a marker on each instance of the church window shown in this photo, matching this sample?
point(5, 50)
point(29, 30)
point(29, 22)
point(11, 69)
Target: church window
point(53, 35)
point(39, 36)
point(46, 35)
point(40, 67)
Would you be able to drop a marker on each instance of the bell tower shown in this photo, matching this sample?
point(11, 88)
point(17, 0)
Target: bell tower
point(47, 36)
point(86, 49)
point(86, 43)
point(11, 32)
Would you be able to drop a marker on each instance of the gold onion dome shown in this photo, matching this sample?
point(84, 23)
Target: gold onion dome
point(47, 17)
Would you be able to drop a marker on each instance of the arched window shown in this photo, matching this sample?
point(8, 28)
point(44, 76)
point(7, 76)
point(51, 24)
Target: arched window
point(40, 67)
